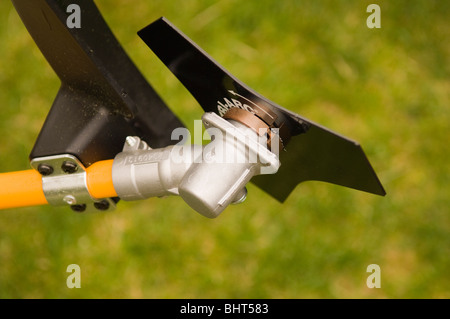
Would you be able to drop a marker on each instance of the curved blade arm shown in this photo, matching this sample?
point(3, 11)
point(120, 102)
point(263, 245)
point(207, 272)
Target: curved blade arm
point(313, 153)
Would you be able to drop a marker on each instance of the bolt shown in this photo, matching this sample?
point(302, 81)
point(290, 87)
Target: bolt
point(79, 208)
point(131, 141)
point(240, 197)
point(69, 199)
point(102, 205)
point(45, 169)
point(69, 167)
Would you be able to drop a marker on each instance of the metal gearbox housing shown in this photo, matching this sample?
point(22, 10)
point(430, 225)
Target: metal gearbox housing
point(208, 177)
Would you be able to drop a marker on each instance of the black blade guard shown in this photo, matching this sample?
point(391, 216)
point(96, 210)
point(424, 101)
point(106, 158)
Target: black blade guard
point(314, 152)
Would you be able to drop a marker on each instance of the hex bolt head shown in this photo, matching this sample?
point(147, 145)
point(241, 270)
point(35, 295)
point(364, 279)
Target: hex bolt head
point(102, 205)
point(79, 208)
point(69, 167)
point(69, 199)
point(45, 169)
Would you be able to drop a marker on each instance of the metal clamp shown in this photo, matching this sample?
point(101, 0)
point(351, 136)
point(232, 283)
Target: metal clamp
point(64, 183)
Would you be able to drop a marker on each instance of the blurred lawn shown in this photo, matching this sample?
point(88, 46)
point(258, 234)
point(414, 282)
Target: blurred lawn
point(388, 88)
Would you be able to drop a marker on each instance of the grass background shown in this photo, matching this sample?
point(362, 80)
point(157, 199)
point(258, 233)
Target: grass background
point(387, 88)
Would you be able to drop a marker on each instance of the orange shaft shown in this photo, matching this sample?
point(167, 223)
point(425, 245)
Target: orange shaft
point(24, 188)
point(20, 189)
point(99, 180)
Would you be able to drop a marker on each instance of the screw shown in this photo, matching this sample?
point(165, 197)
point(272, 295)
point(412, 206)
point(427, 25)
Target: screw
point(102, 205)
point(69, 199)
point(79, 208)
point(69, 167)
point(131, 141)
point(45, 169)
point(241, 196)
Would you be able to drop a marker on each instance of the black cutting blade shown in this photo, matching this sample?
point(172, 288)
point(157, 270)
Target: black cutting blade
point(313, 153)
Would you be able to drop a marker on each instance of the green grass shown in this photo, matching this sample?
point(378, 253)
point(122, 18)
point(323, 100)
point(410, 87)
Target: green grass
point(387, 88)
